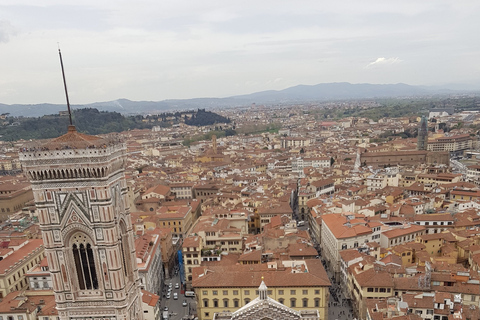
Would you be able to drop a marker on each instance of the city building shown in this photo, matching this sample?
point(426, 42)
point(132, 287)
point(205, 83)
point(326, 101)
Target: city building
point(15, 261)
point(456, 145)
point(299, 285)
point(264, 307)
point(340, 232)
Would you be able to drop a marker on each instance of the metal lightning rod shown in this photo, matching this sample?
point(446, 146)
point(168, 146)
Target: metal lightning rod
point(65, 86)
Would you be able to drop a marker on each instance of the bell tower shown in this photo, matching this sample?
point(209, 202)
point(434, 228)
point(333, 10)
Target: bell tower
point(80, 193)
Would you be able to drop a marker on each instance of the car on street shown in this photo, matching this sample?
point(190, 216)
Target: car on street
point(184, 303)
point(175, 295)
point(165, 309)
point(177, 286)
point(168, 295)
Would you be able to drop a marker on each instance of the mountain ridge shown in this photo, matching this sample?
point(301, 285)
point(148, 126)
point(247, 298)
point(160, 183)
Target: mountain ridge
point(295, 94)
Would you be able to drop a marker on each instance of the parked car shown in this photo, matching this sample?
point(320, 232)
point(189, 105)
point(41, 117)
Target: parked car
point(177, 285)
point(184, 303)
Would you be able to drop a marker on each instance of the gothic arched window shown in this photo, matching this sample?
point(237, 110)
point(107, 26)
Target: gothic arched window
point(84, 263)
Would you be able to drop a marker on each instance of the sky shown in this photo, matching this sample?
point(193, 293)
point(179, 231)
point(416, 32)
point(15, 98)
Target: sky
point(175, 49)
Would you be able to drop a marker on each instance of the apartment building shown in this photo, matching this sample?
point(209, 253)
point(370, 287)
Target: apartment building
point(456, 144)
point(435, 223)
point(401, 235)
point(340, 232)
point(17, 261)
point(149, 261)
point(300, 285)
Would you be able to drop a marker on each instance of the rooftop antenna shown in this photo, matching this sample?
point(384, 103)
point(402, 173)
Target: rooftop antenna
point(65, 86)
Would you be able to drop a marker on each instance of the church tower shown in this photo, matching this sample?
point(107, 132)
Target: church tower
point(80, 193)
point(422, 135)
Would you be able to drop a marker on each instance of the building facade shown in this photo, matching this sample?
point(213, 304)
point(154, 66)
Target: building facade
point(299, 285)
point(80, 191)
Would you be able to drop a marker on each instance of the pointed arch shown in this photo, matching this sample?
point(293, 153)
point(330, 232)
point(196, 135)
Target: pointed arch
point(84, 258)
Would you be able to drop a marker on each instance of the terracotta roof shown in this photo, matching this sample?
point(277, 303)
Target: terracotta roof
point(434, 217)
point(251, 275)
point(74, 139)
point(150, 298)
point(402, 231)
point(337, 224)
point(372, 278)
point(21, 253)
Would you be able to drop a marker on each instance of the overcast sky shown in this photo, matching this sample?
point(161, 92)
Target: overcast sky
point(175, 49)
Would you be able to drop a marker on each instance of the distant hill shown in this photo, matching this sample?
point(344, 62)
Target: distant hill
point(297, 94)
point(92, 121)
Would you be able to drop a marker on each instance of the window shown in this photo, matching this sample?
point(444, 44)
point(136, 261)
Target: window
point(317, 303)
point(235, 303)
point(205, 292)
point(369, 289)
point(225, 292)
point(215, 292)
point(280, 292)
point(317, 291)
point(304, 303)
point(205, 303)
point(246, 292)
point(247, 301)
point(304, 291)
point(293, 292)
point(293, 303)
point(282, 301)
point(225, 303)
point(85, 263)
point(235, 292)
point(215, 303)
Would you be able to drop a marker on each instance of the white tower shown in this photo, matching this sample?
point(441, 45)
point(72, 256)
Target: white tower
point(80, 193)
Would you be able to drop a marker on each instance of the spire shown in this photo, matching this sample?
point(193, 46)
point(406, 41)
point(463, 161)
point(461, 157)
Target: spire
point(357, 161)
point(422, 136)
point(65, 86)
point(262, 291)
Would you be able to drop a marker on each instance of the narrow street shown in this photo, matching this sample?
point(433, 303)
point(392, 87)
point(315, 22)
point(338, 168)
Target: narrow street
point(338, 307)
point(176, 308)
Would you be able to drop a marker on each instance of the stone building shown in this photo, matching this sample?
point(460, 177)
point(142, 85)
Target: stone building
point(422, 136)
point(296, 284)
point(80, 190)
point(265, 307)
